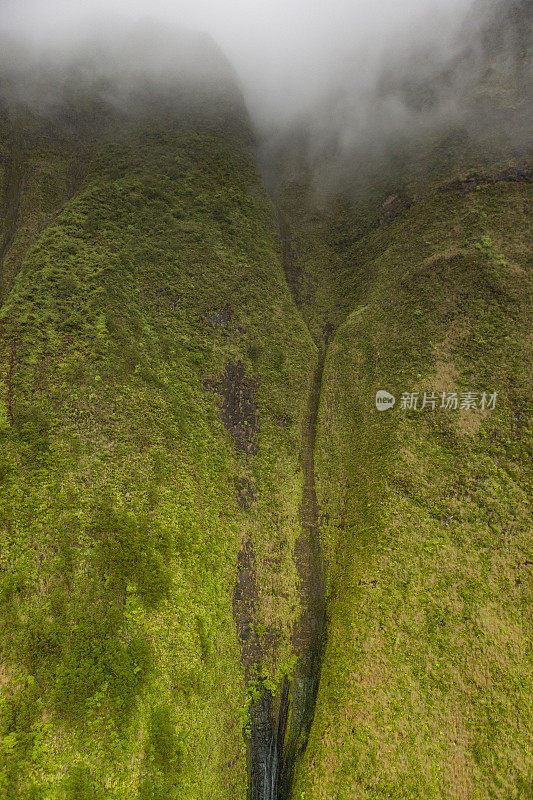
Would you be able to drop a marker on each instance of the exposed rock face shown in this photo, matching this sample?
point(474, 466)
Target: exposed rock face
point(239, 407)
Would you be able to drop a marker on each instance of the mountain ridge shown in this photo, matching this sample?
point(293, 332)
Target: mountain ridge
point(162, 327)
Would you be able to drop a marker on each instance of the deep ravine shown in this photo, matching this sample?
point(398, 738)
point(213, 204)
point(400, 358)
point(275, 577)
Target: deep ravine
point(310, 629)
point(280, 725)
point(9, 210)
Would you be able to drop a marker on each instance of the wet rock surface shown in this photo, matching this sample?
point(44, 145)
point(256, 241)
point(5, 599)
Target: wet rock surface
point(237, 393)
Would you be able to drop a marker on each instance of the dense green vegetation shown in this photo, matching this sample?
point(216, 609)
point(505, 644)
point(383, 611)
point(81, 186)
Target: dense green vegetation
point(426, 681)
point(423, 273)
point(159, 343)
point(120, 517)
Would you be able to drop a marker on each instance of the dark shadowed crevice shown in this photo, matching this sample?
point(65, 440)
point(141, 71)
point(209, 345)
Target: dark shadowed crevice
point(263, 748)
point(13, 187)
point(310, 629)
point(290, 262)
point(280, 725)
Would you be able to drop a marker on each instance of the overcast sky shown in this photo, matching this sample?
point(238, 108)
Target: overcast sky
point(287, 53)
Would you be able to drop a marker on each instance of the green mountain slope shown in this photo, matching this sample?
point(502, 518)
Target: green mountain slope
point(169, 496)
point(153, 373)
point(423, 274)
point(426, 679)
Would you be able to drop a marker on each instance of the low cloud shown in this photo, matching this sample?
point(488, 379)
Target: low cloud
point(354, 74)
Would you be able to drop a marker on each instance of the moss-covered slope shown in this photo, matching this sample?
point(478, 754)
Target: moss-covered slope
point(426, 680)
point(424, 274)
point(153, 375)
point(158, 366)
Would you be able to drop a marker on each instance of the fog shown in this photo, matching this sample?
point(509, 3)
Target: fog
point(289, 54)
point(338, 67)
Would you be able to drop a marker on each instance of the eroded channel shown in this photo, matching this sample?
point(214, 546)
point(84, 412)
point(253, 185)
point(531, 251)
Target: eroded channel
point(280, 725)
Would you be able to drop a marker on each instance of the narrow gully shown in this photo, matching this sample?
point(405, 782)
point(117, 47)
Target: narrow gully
point(280, 726)
point(310, 629)
point(9, 210)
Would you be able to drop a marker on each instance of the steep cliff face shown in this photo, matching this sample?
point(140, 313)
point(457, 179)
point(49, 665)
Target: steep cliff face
point(424, 509)
point(55, 111)
point(154, 372)
point(207, 527)
point(421, 279)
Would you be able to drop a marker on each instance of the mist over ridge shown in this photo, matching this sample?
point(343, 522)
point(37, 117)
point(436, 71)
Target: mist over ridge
point(287, 56)
point(227, 229)
point(346, 84)
point(346, 87)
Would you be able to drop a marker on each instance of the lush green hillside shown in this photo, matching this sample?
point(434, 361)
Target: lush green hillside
point(153, 373)
point(423, 273)
point(426, 681)
point(163, 483)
